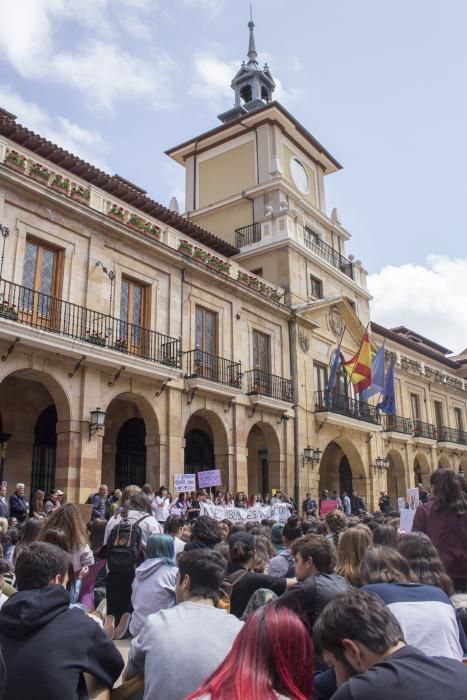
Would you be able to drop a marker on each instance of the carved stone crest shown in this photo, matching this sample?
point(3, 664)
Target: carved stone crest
point(303, 341)
point(335, 321)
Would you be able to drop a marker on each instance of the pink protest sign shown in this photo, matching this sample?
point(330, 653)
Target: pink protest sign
point(327, 506)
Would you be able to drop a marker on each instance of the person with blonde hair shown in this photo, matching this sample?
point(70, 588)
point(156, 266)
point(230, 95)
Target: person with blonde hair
point(353, 544)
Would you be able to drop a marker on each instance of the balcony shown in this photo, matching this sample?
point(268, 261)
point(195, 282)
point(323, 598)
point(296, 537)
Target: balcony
point(262, 383)
point(62, 318)
point(397, 424)
point(452, 435)
point(204, 365)
point(327, 402)
point(247, 235)
point(424, 430)
point(324, 251)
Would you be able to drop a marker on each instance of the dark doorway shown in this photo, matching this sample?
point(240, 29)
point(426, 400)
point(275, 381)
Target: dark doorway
point(345, 476)
point(44, 451)
point(130, 460)
point(199, 452)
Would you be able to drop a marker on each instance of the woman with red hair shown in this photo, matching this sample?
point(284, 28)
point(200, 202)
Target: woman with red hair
point(271, 659)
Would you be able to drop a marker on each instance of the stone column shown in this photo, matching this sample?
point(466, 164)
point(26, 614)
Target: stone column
point(68, 458)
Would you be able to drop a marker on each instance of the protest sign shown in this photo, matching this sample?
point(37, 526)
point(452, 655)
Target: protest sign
point(413, 498)
point(184, 482)
point(327, 506)
point(279, 512)
point(400, 503)
point(210, 478)
point(407, 516)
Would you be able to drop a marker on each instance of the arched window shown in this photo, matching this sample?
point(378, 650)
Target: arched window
point(130, 460)
point(199, 452)
point(245, 93)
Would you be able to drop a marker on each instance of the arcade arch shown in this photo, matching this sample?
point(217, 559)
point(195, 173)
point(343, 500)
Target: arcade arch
point(206, 445)
point(263, 461)
point(396, 478)
point(341, 469)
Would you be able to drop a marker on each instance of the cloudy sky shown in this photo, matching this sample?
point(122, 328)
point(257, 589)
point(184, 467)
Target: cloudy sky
point(380, 84)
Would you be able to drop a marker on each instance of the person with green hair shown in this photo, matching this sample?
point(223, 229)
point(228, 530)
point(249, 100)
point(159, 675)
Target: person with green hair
point(154, 582)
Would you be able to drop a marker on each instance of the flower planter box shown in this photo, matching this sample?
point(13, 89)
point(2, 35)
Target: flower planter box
point(15, 166)
point(119, 348)
point(135, 227)
point(59, 188)
point(100, 342)
point(116, 217)
point(78, 198)
point(7, 313)
point(44, 179)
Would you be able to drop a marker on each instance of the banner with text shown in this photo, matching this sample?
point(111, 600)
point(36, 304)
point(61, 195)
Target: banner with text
point(279, 512)
point(184, 482)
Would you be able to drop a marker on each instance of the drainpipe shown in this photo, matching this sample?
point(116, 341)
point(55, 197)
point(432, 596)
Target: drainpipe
point(293, 371)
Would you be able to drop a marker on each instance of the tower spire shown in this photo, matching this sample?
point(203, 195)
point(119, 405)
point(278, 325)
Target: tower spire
point(252, 54)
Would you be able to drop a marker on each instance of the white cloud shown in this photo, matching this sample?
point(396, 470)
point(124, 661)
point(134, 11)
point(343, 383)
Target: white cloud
point(213, 77)
point(85, 143)
point(31, 33)
point(210, 6)
point(428, 299)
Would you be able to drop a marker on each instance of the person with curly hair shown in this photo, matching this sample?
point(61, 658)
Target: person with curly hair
point(205, 533)
point(336, 522)
point(68, 518)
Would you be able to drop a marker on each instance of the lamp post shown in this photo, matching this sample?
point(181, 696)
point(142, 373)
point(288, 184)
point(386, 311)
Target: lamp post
point(4, 232)
point(4, 437)
point(111, 275)
point(312, 455)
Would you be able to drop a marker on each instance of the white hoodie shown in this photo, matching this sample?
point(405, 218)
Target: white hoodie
point(153, 590)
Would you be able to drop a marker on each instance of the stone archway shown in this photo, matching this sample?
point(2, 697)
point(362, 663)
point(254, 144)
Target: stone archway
point(443, 462)
point(421, 469)
point(397, 484)
point(341, 468)
point(207, 447)
point(131, 443)
point(36, 413)
point(264, 461)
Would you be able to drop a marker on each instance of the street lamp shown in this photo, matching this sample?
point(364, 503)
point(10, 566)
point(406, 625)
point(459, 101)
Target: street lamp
point(4, 437)
point(381, 463)
point(311, 455)
point(97, 421)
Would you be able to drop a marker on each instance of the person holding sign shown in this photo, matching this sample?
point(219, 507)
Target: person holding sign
point(162, 506)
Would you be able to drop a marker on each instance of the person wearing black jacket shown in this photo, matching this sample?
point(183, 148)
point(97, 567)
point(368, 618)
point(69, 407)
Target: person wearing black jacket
point(47, 646)
point(19, 506)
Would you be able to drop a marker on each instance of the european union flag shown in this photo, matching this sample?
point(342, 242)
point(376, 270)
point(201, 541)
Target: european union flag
point(388, 404)
point(335, 366)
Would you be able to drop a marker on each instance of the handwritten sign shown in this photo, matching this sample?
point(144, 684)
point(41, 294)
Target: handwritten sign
point(210, 478)
point(184, 482)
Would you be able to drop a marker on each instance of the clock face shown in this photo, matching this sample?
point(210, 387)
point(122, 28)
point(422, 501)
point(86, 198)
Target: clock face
point(299, 175)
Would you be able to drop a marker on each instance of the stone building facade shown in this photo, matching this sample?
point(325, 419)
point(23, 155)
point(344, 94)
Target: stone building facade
point(204, 340)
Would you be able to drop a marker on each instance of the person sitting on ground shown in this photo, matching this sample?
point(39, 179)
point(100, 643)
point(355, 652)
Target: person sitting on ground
point(241, 577)
point(5, 568)
point(353, 544)
point(317, 583)
point(31, 532)
point(154, 583)
point(271, 659)
point(362, 641)
point(174, 526)
point(425, 613)
point(444, 520)
point(69, 519)
point(263, 552)
point(205, 533)
point(385, 535)
point(336, 523)
point(277, 540)
point(37, 625)
point(283, 564)
point(171, 651)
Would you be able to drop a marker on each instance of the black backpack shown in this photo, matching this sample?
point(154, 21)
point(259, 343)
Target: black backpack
point(124, 546)
point(290, 573)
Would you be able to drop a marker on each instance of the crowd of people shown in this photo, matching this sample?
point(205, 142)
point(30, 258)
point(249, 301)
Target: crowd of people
point(341, 604)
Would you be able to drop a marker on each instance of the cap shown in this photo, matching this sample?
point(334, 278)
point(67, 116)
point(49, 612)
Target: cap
point(243, 537)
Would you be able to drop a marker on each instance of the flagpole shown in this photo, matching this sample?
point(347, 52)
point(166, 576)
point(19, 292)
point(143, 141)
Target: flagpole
point(329, 391)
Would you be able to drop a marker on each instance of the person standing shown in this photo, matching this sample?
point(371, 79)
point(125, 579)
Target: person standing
point(444, 520)
point(346, 503)
point(357, 504)
point(100, 503)
point(309, 507)
point(52, 503)
point(19, 506)
point(384, 503)
point(162, 506)
point(4, 505)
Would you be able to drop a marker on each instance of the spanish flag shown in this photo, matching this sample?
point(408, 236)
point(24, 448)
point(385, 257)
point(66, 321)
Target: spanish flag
point(359, 366)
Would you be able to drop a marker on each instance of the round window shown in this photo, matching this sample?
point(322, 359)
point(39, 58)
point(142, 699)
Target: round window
point(299, 175)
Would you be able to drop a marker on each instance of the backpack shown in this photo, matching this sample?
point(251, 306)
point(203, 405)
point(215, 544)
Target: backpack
point(290, 573)
point(227, 586)
point(124, 546)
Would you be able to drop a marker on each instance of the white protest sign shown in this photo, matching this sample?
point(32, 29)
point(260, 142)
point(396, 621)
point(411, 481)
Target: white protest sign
point(400, 503)
point(406, 522)
point(184, 482)
point(209, 478)
point(413, 498)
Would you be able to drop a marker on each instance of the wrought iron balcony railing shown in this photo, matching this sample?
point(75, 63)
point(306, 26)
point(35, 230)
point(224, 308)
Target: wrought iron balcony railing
point(324, 251)
point(38, 310)
point(424, 430)
point(266, 384)
point(397, 424)
point(246, 235)
point(216, 369)
point(345, 406)
point(452, 435)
